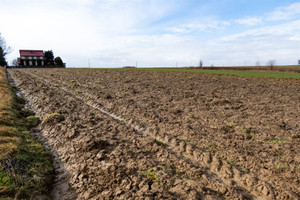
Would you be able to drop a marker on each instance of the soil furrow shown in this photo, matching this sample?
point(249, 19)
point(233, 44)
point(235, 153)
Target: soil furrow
point(226, 173)
point(213, 161)
point(176, 183)
point(230, 188)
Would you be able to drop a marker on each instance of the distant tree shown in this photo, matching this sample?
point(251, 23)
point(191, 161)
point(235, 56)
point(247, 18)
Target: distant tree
point(14, 62)
point(49, 57)
point(4, 50)
point(58, 61)
point(2, 58)
point(201, 63)
point(271, 64)
point(257, 64)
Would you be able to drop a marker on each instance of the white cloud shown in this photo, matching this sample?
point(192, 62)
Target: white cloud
point(281, 13)
point(114, 33)
point(284, 13)
point(78, 27)
point(295, 37)
point(250, 21)
point(283, 30)
point(209, 25)
point(279, 42)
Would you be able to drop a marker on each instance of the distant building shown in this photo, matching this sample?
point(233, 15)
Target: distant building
point(31, 58)
point(35, 58)
point(298, 62)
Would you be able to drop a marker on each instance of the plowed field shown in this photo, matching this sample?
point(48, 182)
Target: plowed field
point(167, 135)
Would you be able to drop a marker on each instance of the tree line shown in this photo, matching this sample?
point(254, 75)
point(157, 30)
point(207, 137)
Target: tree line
point(50, 60)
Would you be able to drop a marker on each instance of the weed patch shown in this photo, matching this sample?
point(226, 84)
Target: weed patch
point(53, 118)
point(33, 121)
point(150, 175)
point(193, 116)
point(277, 141)
point(281, 168)
point(238, 167)
point(160, 143)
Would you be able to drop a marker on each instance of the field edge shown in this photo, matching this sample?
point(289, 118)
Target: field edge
point(26, 167)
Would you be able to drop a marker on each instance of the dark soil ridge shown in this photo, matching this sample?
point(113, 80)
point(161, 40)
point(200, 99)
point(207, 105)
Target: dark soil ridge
point(228, 174)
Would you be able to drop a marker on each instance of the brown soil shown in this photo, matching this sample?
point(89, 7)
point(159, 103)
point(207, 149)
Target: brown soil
point(166, 135)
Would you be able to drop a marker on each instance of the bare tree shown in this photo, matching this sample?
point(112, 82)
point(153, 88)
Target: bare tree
point(257, 64)
point(201, 63)
point(4, 50)
point(14, 62)
point(271, 64)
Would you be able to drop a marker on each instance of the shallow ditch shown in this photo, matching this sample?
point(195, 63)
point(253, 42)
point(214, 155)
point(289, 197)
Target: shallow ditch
point(16, 90)
point(60, 188)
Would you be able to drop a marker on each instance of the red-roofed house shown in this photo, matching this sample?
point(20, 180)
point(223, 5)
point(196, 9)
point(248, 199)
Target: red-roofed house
point(31, 58)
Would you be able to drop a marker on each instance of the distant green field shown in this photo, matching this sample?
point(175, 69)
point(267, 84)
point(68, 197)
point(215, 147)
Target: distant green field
point(262, 74)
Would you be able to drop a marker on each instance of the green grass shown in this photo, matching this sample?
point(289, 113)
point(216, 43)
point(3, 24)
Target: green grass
point(238, 167)
point(259, 74)
point(160, 143)
point(150, 175)
point(277, 141)
point(32, 120)
point(25, 167)
point(59, 116)
point(240, 73)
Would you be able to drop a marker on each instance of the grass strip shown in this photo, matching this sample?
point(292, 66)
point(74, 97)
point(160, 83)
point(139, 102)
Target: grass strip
point(25, 166)
point(240, 73)
point(244, 73)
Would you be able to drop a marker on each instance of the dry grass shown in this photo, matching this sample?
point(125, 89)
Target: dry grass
point(5, 100)
point(7, 133)
point(5, 96)
point(7, 148)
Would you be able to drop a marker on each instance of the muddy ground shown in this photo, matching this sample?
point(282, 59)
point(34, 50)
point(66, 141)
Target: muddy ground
point(130, 134)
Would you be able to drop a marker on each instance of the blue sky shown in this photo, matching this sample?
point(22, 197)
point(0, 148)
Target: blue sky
point(116, 33)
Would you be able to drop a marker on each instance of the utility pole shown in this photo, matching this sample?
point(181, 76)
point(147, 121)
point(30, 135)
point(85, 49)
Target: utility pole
point(89, 64)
